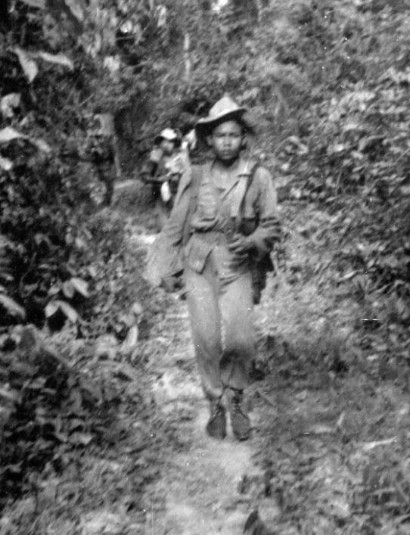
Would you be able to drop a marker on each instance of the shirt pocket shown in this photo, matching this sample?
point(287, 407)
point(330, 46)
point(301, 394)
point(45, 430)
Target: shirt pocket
point(208, 204)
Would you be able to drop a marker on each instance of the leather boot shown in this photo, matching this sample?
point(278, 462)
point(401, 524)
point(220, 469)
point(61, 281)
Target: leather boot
point(241, 425)
point(216, 426)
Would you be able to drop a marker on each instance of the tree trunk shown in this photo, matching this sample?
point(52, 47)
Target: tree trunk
point(4, 16)
point(187, 57)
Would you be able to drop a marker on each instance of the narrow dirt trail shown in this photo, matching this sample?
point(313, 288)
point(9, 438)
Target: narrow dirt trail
point(202, 484)
point(207, 486)
point(316, 418)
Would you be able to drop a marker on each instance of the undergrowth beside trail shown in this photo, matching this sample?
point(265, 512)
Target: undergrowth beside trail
point(80, 435)
point(333, 442)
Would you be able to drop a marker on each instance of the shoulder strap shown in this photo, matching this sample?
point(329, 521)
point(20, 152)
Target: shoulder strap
point(196, 179)
point(241, 211)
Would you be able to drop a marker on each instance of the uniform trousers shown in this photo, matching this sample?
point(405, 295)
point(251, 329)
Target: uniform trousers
point(221, 313)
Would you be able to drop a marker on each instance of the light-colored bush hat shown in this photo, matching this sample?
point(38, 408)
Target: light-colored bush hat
point(226, 109)
point(169, 134)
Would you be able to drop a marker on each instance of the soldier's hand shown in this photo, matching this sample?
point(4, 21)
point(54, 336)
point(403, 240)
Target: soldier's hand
point(240, 245)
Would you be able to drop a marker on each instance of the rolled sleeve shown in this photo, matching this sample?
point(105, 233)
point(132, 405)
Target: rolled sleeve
point(165, 257)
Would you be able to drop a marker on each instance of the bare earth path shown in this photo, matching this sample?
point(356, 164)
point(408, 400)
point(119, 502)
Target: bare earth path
point(202, 484)
point(212, 487)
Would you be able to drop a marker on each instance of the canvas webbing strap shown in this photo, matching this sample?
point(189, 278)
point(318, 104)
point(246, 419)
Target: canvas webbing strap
point(196, 179)
point(241, 210)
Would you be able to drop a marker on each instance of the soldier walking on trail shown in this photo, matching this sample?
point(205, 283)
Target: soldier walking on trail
point(167, 162)
point(220, 233)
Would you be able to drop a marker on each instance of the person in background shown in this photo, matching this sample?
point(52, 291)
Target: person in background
point(99, 148)
point(102, 156)
point(222, 228)
point(165, 166)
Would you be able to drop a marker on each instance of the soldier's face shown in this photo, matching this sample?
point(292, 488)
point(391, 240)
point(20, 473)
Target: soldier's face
point(167, 147)
point(227, 140)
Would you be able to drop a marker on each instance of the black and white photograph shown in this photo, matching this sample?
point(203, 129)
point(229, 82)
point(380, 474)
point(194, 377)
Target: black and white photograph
point(204, 267)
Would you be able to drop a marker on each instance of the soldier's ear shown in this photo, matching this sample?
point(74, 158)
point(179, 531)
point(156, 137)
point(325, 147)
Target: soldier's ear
point(209, 141)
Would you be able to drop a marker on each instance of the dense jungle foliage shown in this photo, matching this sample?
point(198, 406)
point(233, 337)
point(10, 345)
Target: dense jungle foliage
point(328, 83)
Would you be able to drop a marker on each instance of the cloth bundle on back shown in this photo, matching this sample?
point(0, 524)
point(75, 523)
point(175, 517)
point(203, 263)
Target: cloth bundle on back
point(220, 232)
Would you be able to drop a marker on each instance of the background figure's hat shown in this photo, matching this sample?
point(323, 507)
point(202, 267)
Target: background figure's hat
point(168, 134)
point(226, 109)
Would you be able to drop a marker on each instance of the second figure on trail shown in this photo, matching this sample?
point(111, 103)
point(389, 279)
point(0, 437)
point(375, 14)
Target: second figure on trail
point(166, 164)
point(221, 230)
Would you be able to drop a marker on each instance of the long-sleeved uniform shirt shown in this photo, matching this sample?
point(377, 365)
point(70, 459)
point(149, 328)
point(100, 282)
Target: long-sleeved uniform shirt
point(222, 199)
